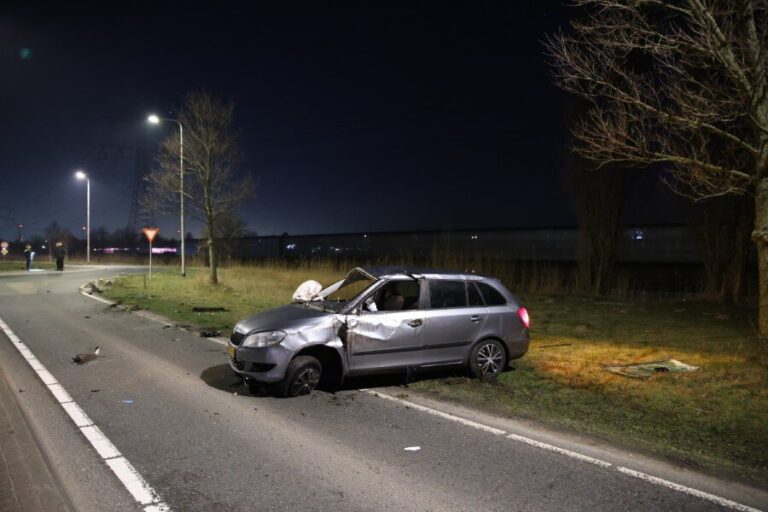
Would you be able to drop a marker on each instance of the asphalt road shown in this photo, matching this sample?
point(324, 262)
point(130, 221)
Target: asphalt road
point(168, 402)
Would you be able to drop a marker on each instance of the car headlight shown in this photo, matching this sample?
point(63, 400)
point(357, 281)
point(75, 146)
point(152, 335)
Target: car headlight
point(264, 339)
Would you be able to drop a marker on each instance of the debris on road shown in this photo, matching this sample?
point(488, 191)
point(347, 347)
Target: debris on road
point(650, 368)
point(127, 402)
point(86, 358)
point(412, 448)
point(95, 390)
point(209, 333)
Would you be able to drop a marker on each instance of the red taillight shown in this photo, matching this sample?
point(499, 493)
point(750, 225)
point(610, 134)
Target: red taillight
point(523, 314)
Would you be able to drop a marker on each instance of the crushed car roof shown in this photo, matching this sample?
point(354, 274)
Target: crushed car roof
point(394, 270)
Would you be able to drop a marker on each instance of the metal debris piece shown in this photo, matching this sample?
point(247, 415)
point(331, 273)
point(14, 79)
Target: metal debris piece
point(412, 448)
point(650, 368)
point(86, 358)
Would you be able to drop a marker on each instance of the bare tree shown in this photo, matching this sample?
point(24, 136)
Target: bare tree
point(722, 226)
point(229, 229)
point(599, 196)
point(678, 83)
point(211, 160)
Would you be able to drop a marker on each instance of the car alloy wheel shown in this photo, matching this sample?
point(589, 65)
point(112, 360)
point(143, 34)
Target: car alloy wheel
point(305, 381)
point(488, 359)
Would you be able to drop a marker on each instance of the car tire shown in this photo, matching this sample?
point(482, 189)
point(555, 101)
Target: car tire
point(301, 377)
point(487, 360)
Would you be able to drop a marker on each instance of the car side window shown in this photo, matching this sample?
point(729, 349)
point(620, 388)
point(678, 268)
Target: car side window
point(474, 297)
point(394, 296)
point(447, 294)
point(491, 295)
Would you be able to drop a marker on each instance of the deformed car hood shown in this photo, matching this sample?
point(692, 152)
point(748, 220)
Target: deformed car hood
point(283, 318)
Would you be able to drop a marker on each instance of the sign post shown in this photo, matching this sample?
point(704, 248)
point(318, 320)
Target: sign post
point(150, 233)
point(4, 249)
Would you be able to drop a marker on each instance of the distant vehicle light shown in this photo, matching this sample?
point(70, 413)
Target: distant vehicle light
point(523, 314)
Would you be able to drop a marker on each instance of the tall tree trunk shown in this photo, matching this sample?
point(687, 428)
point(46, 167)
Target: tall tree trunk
point(212, 252)
point(214, 277)
point(760, 237)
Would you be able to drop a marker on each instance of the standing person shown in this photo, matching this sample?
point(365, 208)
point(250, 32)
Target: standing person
point(60, 253)
point(28, 256)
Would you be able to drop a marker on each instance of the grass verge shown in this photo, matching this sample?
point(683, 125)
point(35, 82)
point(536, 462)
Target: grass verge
point(715, 418)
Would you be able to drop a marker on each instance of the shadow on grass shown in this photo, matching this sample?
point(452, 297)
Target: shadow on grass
point(222, 377)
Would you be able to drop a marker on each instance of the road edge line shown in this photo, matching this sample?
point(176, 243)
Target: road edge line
point(724, 502)
point(134, 483)
point(435, 412)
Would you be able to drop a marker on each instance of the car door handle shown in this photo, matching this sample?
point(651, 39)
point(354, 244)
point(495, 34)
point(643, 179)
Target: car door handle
point(415, 323)
point(475, 319)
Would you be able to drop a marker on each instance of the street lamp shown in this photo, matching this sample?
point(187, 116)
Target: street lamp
point(153, 119)
point(81, 175)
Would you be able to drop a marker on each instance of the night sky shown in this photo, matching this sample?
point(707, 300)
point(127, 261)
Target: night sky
point(355, 116)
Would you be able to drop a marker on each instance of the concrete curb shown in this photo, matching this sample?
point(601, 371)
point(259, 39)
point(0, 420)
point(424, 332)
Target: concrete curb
point(28, 481)
point(86, 288)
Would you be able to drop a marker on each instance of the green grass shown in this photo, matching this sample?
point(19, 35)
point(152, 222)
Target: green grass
point(715, 418)
point(242, 291)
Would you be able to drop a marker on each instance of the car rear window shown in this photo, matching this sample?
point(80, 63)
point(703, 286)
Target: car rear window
point(447, 294)
point(491, 295)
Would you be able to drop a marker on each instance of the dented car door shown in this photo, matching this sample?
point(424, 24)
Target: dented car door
point(383, 340)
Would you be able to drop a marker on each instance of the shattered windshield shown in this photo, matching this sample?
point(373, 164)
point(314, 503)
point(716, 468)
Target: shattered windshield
point(343, 291)
point(350, 289)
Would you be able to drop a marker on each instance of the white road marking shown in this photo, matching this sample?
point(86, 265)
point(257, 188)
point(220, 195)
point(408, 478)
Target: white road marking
point(435, 412)
point(687, 490)
point(99, 441)
point(220, 341)
point(141, 491)
point(569, 453)
point(59, 393)
point(132, 480)
point(515, 437)
point(96, 297)
point(77, 414)
point(562, 451)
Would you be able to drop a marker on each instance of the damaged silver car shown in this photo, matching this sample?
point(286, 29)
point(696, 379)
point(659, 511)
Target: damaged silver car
point(381, 319)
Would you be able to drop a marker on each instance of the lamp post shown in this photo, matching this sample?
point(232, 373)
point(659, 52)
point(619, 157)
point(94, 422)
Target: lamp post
point(156, 120)
point(81, 175)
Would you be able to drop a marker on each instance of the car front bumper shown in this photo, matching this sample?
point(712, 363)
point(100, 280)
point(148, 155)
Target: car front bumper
point(264, 364)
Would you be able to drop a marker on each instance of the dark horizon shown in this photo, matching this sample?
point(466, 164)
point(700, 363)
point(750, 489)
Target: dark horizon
point(354, 118)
